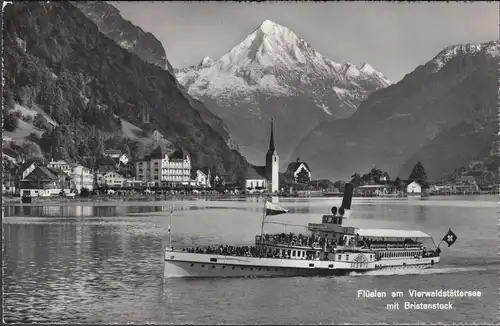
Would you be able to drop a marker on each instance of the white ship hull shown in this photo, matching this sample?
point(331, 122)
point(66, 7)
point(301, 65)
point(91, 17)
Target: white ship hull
point(183, 264)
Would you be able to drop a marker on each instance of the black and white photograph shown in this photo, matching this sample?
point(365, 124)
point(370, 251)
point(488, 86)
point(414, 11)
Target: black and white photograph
point(250, 163)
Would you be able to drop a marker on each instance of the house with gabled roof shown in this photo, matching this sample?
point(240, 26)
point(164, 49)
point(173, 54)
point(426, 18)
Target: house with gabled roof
point(44, 181)
point(106, 164)
point(201, 177)
point(295, 168)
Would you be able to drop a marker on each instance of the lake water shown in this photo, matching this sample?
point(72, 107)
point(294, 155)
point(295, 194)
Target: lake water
point(104, 264)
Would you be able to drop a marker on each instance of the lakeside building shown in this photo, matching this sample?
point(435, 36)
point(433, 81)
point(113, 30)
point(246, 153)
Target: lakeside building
point(160, 169)
point(200, 177)
point(110, 179)
point(298, 171)
point(414, 187)
point(81, 176)
point(376, 190)
point(44, 181)
point(267, 176)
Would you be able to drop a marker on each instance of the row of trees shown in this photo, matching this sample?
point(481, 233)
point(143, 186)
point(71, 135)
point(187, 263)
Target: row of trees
point(376, 176)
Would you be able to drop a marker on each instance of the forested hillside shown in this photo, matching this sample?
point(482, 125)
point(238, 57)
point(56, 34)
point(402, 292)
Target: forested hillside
point(57, 60)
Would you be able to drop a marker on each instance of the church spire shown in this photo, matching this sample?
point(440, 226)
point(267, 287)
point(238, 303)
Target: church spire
point(271, 140)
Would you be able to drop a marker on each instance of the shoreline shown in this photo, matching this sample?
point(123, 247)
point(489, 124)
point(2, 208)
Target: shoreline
point(147, 200)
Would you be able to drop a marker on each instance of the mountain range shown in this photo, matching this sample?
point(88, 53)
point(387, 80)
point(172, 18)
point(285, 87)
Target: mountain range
point(147, 47)
point(83, 67)
point(274, 73)
point(96, 92)
point(443, 114)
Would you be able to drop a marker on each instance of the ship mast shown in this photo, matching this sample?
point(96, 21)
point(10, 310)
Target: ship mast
point(170, 231)
point(262, 226)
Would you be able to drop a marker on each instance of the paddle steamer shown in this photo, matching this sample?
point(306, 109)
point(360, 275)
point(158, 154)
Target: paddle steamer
point(331, 248)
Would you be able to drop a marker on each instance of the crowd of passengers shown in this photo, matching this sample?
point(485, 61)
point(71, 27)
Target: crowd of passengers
point(304, 240)
point(294, 240)
point(241, 251)
point(307, 240)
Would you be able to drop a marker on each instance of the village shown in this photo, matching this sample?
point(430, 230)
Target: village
point(161, 173)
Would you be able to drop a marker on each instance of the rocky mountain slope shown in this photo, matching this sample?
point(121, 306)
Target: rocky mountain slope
point(274, 73)
point(127, 35)
point(56, 59)
point(440, 114)
point(132, 38)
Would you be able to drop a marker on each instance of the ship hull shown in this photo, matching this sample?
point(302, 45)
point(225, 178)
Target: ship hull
point(181, 264)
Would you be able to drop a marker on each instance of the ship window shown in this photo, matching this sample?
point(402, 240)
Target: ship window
point(251, 268)
point(233, 267)
point(293, 253)
point(202, 265)
point(303, 253)
point(242, 268)
point(213, 266)
point(330, 266)
point(223, 267)
point(260, 268)
point(192, 265)
point(289, 252)
point(311, 265)
point(213, 260)
point(283, 251)
point(346, 257)
point(339, 257)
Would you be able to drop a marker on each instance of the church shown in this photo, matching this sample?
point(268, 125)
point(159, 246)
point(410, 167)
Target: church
point(266, 177)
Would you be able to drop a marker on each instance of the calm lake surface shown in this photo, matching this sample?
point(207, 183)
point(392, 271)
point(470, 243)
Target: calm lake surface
point(104, 264)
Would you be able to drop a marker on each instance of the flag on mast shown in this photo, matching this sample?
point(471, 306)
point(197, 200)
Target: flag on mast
point(272, 209)
point(450, 238)
point(169, 228)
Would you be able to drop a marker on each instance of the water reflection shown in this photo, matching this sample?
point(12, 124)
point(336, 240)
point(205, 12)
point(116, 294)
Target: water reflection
point(105, 211)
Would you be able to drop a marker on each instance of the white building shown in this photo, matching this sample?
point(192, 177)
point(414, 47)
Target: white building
point(414, 188)
point(266, 176)
point(297, 167)
point(133, 183)
point(110, 179)
point(201, 177)
point(81, 176)
point(162, 169)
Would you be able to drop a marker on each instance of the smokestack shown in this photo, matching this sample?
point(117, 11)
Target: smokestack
point(345, 209)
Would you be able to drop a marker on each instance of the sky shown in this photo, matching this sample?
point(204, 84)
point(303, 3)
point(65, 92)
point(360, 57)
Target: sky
point(394, 38)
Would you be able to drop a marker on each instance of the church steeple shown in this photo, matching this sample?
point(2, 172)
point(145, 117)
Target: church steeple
point(271, 139)
point(272, 163)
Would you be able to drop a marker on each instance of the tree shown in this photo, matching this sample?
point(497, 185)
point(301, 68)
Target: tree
point(418, 174)
point(10, 121)
point(41, 122)
point(356, 180)
point(9, 100)
point(340, 185)
point(399, 184)
point(126, 150)
point(303, 176)
point(33, 137)
point(375, 174)
point(30, 150)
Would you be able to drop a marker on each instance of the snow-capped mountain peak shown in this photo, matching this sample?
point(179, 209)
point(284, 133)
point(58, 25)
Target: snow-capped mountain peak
point(275, 73)
point(206, 62)
point(274, 60)
point(367, 69)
